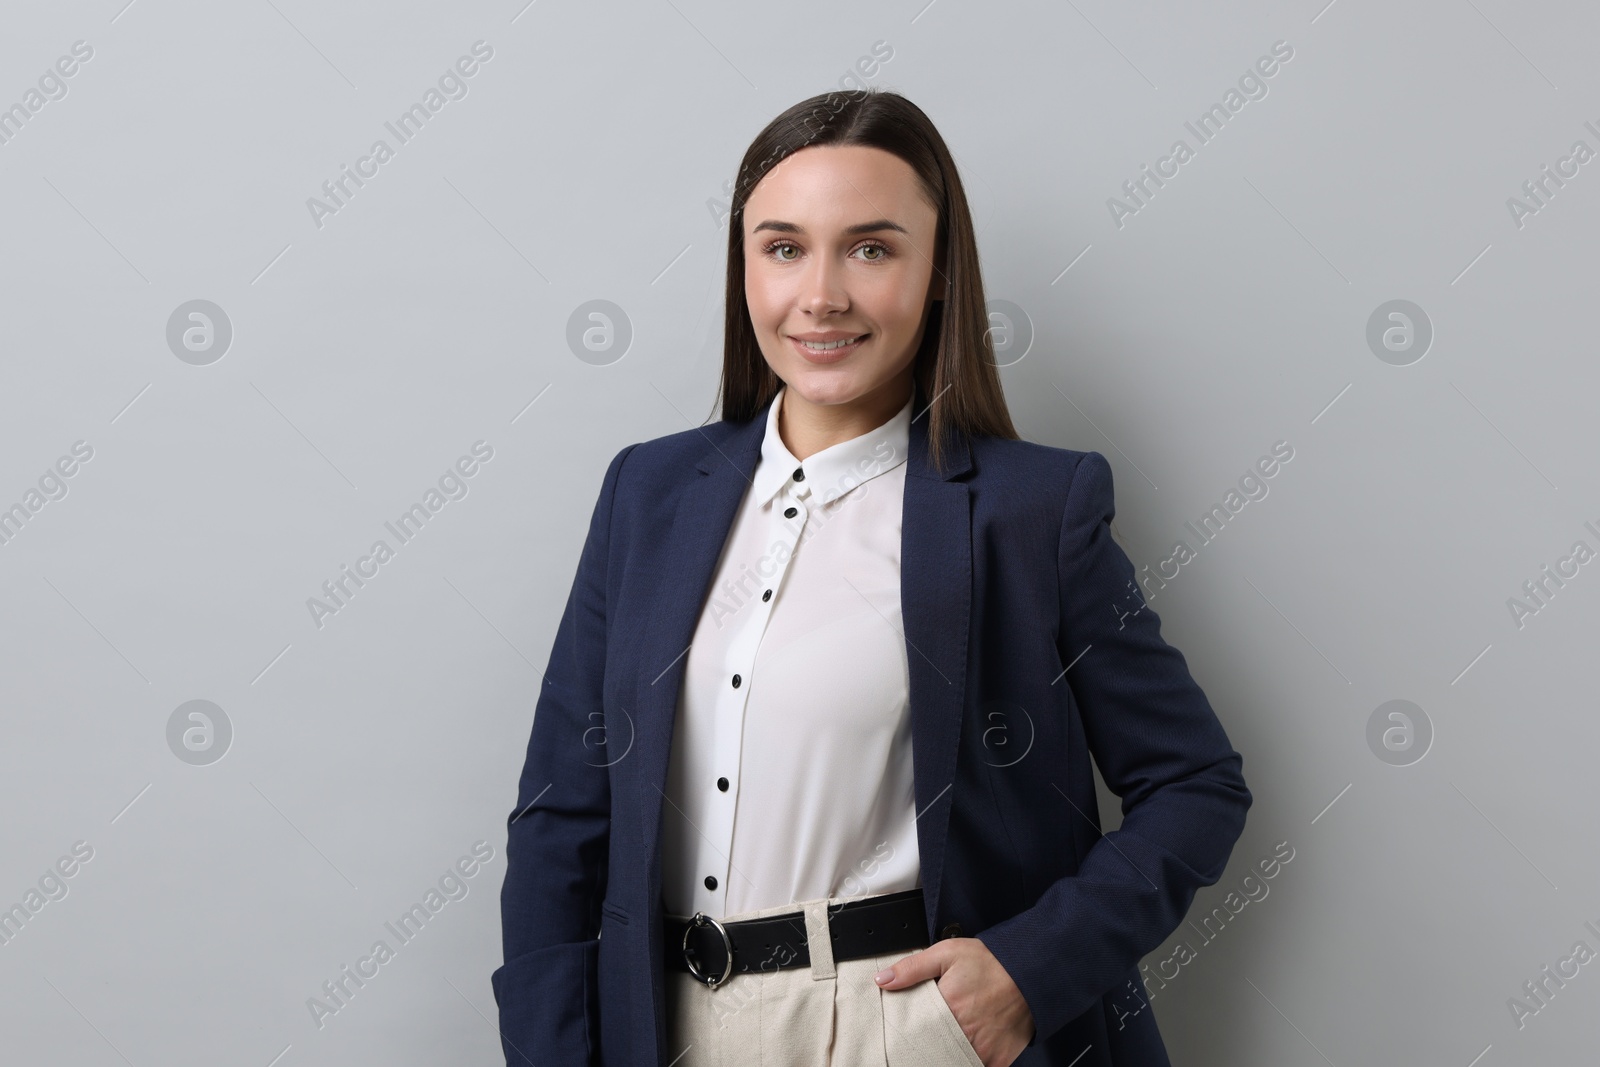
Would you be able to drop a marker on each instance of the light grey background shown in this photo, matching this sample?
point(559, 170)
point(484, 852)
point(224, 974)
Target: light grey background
point(1230, 312)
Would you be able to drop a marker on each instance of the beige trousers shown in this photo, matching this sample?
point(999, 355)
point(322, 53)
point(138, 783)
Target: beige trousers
point(826, 1015)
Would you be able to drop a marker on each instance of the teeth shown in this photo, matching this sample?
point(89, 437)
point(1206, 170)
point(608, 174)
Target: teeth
point(825, 346)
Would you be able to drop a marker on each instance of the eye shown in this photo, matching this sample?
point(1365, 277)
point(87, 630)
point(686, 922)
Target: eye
point(884, 249)
point(769, 249)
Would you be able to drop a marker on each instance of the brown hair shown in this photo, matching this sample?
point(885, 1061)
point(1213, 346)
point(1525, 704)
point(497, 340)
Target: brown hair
point(954, 368)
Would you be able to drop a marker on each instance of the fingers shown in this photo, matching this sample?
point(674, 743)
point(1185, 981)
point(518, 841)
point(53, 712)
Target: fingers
point(918, 967)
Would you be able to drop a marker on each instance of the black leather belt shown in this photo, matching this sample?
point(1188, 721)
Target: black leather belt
point(714, 951)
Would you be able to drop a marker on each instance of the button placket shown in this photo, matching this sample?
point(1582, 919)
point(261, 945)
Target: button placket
point(787, 525)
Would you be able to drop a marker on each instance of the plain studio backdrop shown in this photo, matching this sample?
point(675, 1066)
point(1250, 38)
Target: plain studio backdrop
point(230, 370)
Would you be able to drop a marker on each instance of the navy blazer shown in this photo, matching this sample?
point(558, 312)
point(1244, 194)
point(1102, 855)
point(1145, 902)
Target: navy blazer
point(1029, 650)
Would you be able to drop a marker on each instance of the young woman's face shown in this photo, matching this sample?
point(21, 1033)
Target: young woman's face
point(839, 245)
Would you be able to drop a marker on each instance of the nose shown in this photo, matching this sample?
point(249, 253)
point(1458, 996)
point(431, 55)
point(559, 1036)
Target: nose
point(823, 289)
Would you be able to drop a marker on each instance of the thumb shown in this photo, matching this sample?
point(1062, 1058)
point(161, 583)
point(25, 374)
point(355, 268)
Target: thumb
point(909, 970)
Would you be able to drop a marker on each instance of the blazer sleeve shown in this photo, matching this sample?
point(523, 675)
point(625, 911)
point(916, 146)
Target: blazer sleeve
point(558, 836)
point(1159, 747)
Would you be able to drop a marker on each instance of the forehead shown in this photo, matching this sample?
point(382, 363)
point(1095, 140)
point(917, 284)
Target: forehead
point(829, 186)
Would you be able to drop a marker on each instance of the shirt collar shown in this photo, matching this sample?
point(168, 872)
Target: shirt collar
point(835, 470)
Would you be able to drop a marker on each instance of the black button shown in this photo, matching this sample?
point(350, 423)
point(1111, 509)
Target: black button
point(951, 930)
point(711, 881)
point(767, 595)
point(722, 784)
point(736, 681)
point(789, 513)
point(799, 474)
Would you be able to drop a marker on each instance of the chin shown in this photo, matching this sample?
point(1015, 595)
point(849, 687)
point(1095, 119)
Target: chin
point(826, 385)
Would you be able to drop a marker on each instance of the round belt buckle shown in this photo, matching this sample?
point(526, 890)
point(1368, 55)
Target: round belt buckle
point(701, 919)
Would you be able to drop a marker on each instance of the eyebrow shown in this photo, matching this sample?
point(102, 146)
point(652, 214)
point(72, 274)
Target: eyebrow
point(875, 226)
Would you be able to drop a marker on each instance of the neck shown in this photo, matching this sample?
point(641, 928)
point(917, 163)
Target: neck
point(808, 428)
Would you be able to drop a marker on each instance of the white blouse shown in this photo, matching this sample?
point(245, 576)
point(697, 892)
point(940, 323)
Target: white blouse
point(791, 775)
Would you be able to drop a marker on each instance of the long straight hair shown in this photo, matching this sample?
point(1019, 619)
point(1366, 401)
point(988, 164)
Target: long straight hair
point(954, 367)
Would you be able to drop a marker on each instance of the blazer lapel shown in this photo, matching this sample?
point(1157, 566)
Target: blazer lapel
point(935, 599)
point(935, 607)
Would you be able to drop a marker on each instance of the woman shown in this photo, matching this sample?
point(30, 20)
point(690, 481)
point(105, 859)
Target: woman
point(822, 701)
